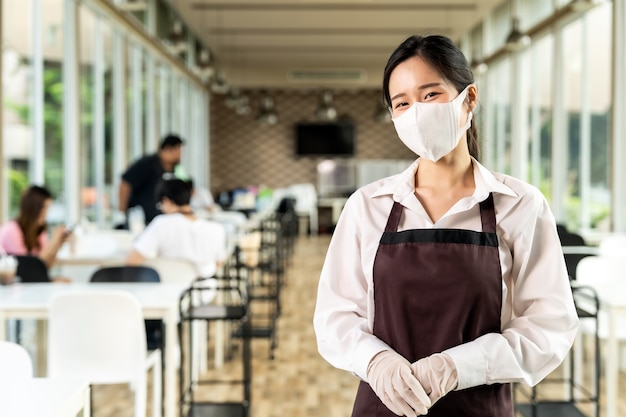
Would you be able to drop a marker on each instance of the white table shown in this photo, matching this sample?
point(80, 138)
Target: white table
point(158, 301)
point(612, 298)
point(44, 397)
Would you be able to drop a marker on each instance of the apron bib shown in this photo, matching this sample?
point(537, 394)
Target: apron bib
point(435, 289)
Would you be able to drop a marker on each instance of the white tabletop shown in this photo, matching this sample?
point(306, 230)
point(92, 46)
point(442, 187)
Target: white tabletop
point(44, 397)
point(158, 301)
point(37, 296)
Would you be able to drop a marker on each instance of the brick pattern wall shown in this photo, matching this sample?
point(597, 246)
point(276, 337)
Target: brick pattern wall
point(245, 152)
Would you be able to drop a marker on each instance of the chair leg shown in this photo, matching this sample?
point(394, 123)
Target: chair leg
point(157, 387)
point(140, 397)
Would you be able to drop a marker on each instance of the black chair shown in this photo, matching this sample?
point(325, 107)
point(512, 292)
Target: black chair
point(574, 249)
point(128, 273)
point(135, 273)
point(231, 305)
point(577, 396)
point(31, 269)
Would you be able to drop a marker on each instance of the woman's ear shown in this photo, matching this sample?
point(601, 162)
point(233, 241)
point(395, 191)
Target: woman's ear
point(472, 96)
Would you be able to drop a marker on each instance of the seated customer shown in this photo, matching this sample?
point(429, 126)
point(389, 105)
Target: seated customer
point(27, 234)
point(178, 234)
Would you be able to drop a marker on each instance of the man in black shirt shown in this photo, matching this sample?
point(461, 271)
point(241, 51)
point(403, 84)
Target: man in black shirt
point(140, 179)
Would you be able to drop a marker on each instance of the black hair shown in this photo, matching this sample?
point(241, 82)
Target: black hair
point(174, 189)
point(31, 204)
point(444, 57)
point(171, 141)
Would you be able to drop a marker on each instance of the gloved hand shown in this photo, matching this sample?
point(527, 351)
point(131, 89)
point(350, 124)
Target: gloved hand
point(390, 376)
point(437, 374)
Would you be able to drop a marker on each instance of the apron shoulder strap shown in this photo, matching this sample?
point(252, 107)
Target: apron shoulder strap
point(488, 214)
point(394, 217)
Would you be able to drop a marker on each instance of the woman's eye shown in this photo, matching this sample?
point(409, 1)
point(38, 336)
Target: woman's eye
point(402, 104)
point(431, 95)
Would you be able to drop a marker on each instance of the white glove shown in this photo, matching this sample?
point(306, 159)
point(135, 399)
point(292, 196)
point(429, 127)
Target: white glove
point(390, 376)
point(437, 374)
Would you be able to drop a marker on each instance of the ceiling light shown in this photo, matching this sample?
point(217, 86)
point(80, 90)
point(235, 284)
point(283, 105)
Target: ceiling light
point(516, 40)
point(176, 40)
point(233, 97)
point(267, 113)
point(243, 106)
point(326, 111)
point(204, 65)
point(478, 66)
point(219, 85)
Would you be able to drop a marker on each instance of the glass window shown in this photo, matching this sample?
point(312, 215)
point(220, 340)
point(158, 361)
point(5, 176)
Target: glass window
point(52, 30)
point(534, 11)
point(540, 114)
point(17, 92)
point(96, 116)
point(572, 94)
point(500, 109)
point(501, 24)
point(587, 95)
point(598, 85)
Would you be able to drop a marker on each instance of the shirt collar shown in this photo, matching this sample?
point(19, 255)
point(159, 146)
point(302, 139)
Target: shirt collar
point(403, 184)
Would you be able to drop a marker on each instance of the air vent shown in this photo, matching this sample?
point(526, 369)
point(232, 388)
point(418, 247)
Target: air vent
point(343, 75)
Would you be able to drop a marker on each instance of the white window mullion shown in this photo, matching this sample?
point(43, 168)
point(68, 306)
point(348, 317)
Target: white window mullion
point(559, 139)
point(618, 124)
point(137, 104)
point(535, 124)
point(164, 87)
point(519, 133)
point(151, 135)
point(37, 104)
point(120, 136)
point(71, 113)
point(98, 121)
point(585, 133)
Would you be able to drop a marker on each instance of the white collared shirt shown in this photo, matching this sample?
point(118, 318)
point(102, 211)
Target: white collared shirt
point(538, 318)
point(199, 241)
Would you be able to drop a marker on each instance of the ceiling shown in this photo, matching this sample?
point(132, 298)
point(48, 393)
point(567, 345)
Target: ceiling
point(318, 43)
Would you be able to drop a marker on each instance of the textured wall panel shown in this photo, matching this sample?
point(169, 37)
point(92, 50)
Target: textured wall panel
point(246, 153)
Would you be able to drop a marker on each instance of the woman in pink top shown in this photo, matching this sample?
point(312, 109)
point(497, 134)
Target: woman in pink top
point(27, 235)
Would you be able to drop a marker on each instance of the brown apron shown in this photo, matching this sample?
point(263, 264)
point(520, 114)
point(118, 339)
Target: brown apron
point(435, 289)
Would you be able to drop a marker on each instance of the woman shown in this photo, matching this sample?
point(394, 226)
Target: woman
point(178, 234)
point(27, 234)
point(445, 283)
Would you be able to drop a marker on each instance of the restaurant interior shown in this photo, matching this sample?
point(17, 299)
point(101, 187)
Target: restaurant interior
point(279, 106)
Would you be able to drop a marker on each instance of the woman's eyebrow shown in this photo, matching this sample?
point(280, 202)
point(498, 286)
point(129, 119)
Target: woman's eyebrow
point(429, 85)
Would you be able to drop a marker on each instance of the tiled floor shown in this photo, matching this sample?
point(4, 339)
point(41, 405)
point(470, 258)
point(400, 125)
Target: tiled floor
point(298, 382)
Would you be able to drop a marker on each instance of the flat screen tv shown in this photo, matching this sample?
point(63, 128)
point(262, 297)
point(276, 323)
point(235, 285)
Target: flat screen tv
point(325, 139)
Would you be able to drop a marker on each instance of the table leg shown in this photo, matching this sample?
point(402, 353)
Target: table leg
point(170, 364)
point(87, 402)
point(611, 367)
point(42, 348)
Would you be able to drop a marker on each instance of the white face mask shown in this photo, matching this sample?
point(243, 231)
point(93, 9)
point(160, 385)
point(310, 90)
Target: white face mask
point(432, 130)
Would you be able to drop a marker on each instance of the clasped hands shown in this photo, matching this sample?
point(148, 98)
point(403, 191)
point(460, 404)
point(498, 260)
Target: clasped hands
point(411, 389)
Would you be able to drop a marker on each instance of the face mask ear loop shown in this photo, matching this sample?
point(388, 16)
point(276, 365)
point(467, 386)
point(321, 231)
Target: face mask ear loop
point(470, 115)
